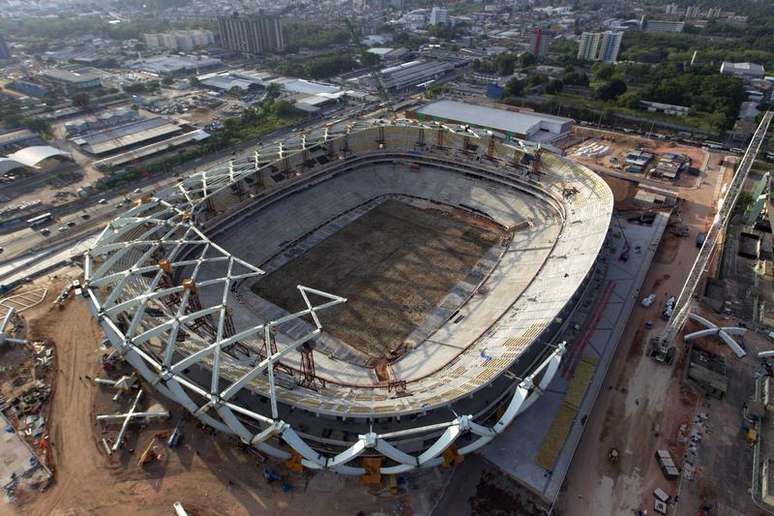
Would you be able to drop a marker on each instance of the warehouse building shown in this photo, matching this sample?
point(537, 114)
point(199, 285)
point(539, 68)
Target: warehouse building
point(743, 70)
point(535, 127)
point(127, 136)
point(16, 139)
point(408, 75)
point(174, 64)
point(71, 80)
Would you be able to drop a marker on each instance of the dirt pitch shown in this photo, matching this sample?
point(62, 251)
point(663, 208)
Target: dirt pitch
point(394, 264)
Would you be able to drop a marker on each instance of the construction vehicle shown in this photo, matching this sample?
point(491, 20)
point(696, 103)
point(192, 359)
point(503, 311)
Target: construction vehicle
point(669, 307)
point(153, 452)
point(109, 360)
point(613, 456)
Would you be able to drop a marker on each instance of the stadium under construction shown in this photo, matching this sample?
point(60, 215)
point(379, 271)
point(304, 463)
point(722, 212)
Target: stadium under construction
point(368, 301)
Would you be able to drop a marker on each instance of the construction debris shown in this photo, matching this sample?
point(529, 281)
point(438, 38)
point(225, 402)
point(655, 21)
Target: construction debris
point(133, 414)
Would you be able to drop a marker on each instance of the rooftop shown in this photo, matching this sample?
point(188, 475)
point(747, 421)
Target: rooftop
point(499, 119)
point(125, 135)
point(61, 75)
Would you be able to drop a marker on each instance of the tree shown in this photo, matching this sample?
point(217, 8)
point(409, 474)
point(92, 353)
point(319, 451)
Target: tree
point(505, 64)
point(610, 90)
point(273, 90)
point(167, 81)
point(368, 58)
point(576, 78)
point(603, 71)
point(81, 100)
point(536, 80)
point(554, 86)
point(514, 88)
point(527, 59)
point(630, 100)
point(284, 109)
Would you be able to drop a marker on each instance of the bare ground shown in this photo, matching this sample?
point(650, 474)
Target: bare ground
point(394, 264)
point(208, 473)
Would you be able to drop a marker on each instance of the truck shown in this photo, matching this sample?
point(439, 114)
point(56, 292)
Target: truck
point(39, 220)
point(669, 307)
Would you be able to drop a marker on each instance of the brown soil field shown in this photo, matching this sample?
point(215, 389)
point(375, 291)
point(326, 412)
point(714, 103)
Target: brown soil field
point(394, 264)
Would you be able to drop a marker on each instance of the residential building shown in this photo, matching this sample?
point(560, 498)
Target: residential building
point(588, 50)
point(439, 16)
point(600, 46)
point(610, 46)
point(5, 53)
point(663, 26)
point(744, 70)
point(540, 42)
point(251, 34)
point(180, 39)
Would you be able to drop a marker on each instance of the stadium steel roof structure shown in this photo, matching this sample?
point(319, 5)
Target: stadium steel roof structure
point(127, 280)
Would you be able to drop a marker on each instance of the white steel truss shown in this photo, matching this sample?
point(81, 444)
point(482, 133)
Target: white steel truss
point(146, 277)
point(6, 321)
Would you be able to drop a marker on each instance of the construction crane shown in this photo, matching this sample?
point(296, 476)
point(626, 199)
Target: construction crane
point(383, 92)
point(663, 345)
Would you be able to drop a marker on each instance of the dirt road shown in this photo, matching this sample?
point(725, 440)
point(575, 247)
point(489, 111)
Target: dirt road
point(207, 473)
point(642, 404)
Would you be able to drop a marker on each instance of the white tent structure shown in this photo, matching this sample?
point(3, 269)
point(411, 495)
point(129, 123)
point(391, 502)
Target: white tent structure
point(8, 164)
point(32, 156)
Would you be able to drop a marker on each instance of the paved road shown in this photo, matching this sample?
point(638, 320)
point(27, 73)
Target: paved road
point(70, 227)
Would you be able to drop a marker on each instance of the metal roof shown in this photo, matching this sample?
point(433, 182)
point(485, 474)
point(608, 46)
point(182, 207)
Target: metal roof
point(125, 135)
point(8, 164)
point(31, 156)
point(513, 122)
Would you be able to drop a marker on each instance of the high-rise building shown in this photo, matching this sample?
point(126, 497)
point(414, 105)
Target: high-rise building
point(439, 16)
point(540, 41)
point(253, 34)
point(600, 46)
point(610, 46)
point(4, 52)
point(180, 39)
point(589, 46)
